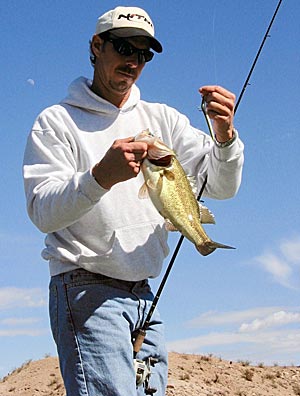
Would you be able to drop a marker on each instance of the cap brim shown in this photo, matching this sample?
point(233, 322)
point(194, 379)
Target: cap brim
point(133, 32)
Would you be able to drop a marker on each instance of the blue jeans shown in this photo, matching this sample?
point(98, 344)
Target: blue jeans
point(93, 318)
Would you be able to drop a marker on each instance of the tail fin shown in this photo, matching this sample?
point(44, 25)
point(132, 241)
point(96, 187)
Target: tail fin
point(208, 247)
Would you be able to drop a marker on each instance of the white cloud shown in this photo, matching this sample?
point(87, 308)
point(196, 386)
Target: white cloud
point(15, 326)
point(13, 297)
point(214, 318)
point(253, 335)
point(291, 250)
point(269, 346)
point(279, 268)
point(19, 321)
point(279, 318)
point(22, 332)
point(284, 264)
point(195, 344)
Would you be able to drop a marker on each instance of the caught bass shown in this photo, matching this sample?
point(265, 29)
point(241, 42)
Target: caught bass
point(171, 193)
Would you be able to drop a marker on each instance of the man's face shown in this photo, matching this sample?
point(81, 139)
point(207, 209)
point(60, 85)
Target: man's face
point(114, 73)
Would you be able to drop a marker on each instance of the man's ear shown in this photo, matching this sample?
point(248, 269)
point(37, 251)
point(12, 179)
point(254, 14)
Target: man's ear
point(97, 42)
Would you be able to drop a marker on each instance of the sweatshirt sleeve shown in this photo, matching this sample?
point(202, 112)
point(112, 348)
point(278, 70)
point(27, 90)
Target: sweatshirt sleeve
point(57, 193)
point(200, 156)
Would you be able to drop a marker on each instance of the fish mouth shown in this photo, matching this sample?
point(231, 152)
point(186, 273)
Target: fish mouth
point(164, 161)
point(158, 153)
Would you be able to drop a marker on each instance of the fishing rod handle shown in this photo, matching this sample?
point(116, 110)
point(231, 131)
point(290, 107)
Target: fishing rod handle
point(139, 339)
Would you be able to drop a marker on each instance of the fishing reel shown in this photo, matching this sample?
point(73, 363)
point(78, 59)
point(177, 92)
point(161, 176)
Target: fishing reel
point(143, 373)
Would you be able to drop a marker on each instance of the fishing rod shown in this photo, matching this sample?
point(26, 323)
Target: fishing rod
point(246, 83)
point(143, 369)
point(142, 331)
point(257, 56)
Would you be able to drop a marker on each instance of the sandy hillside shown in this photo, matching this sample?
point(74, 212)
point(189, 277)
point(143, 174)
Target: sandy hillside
point(188, 375)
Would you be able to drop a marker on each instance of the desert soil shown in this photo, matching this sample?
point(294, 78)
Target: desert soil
point(188, 375)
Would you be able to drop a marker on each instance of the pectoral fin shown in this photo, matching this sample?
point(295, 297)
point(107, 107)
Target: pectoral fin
point(143, 192)
point(151, 185)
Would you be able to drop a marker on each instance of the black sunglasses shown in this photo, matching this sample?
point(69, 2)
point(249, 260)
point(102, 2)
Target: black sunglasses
point(124, 48)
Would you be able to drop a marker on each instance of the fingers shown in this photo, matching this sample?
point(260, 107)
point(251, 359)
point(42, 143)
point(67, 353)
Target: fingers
point(216, 88)
point(121, 162)
point(133, 151)
point(220, 108)
point(218, 99)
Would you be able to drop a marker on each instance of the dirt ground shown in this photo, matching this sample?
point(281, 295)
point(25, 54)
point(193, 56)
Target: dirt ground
point(188, 375)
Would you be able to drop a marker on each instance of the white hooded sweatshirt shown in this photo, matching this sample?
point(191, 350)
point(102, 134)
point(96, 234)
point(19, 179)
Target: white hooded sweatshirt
point(111, 232)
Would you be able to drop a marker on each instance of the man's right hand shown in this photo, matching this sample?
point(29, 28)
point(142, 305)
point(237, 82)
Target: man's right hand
point(121, 162)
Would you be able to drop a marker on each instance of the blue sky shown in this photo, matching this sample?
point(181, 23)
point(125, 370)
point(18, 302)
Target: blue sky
point(241, 304)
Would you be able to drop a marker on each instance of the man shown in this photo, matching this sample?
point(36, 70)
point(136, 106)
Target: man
point(82, 177)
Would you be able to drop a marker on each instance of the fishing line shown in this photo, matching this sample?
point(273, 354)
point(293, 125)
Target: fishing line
point(141, 333)
point(214, 41)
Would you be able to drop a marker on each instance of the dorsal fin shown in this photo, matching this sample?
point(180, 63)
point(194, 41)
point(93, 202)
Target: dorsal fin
point(206, 216)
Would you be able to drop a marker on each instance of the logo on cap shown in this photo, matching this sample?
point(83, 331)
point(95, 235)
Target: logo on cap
point(132, 17)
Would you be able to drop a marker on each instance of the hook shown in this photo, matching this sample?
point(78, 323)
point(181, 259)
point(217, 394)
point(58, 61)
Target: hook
point(202, 108)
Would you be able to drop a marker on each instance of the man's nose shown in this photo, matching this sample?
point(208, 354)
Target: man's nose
point(133, 60)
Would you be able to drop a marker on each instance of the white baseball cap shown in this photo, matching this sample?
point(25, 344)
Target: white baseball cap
point(128, 22)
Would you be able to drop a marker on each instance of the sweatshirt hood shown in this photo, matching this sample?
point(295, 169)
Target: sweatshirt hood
point(80, 95)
